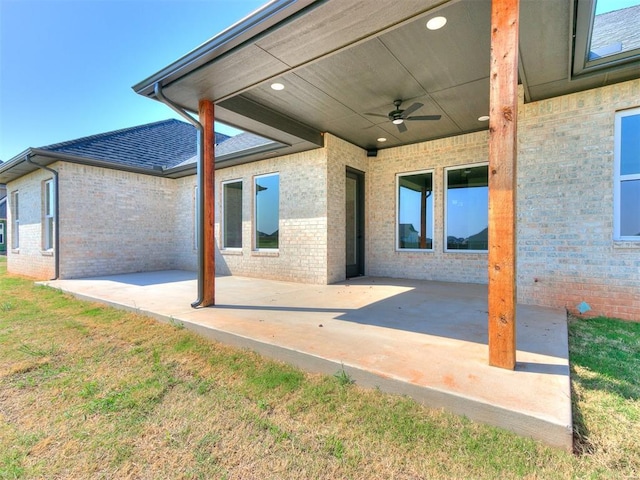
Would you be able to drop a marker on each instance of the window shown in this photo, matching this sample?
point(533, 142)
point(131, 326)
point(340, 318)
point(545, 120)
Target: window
point(1, 233)
point(232, 214)
point(467, 208)
point(196, 218)
point(267, 217)
point(415, 211)
point(48, 214)
point(15, 220)
point(627, 175)
point(605, 34)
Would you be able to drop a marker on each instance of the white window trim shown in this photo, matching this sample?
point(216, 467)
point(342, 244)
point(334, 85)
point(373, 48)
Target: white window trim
point(15, 220)
point(430, 214)
point(48, 192)
point(445, 197)
point(222, 206)
point(2, 233)
point(619, 178)
point(255, 213)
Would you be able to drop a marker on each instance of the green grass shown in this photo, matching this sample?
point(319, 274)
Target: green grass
point(91, 392)
point(605, 358)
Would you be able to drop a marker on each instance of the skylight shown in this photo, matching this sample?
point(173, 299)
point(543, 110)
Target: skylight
point(607, 34)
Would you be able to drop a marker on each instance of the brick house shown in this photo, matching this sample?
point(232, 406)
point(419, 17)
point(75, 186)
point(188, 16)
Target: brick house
point(348, 172)
point(115, 194)
point(340, 90)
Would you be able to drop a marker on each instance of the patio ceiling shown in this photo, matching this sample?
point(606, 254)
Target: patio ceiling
point(341, 60)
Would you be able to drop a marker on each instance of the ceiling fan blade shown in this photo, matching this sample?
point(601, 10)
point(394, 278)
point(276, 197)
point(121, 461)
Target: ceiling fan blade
point(425, 117)
point(408, 111)
point(401, 127)
point(377, 115)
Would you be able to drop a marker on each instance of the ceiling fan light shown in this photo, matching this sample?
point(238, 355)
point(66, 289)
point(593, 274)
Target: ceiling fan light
point(436, 23)
point(397, 121)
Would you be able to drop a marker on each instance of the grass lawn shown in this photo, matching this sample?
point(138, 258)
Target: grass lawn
point(91, 392)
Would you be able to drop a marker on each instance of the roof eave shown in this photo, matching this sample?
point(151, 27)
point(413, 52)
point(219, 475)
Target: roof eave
point(97, 163)
point(248, 155)
point(7, 175)
point(240, 32)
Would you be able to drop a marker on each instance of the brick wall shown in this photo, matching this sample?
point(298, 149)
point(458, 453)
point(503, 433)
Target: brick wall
point(566, 252)
point(382, 257)
point(29, 259)
point(185, 255)
point(302, 252)
point(114, 222)
point(340, 155)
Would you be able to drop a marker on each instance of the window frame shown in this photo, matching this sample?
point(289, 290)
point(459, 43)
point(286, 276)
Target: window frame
point(48, 215)
point(618, 178)
point(430, 214)
point(582, 64)
point(223, 215)
point(446, 202)
point(255, 213)
point(196, 217)
point(15, 220)
point(2, 233)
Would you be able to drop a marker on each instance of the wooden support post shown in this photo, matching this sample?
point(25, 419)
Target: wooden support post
point(206, 115)
point(502, 182)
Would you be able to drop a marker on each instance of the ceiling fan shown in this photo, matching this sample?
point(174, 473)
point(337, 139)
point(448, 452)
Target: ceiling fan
point(398, 116)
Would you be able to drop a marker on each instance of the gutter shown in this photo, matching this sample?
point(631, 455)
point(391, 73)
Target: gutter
point(93, 162)
point(56, 215)
point(200, 182)
point(66, 157)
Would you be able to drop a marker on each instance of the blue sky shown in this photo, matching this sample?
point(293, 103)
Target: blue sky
point(604, 6)
point(67, 66)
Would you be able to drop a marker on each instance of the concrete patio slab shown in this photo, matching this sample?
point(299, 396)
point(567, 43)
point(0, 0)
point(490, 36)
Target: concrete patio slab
point(424, 339)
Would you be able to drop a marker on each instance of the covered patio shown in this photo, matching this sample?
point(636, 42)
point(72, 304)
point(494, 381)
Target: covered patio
point(427, 340)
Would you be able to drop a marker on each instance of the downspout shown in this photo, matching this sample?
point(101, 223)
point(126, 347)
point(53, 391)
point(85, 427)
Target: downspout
point(56, 215)
point(200, 182)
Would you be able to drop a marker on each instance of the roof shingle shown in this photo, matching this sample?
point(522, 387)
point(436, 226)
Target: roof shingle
point(162, 144)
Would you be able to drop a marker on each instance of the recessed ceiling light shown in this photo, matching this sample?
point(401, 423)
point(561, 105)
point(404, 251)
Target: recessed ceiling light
point(277, 86)
point(382, 139)
point(483, 118)
point(436, 23)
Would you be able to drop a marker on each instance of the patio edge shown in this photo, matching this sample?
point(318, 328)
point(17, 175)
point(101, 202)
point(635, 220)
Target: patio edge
point(551, 433)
